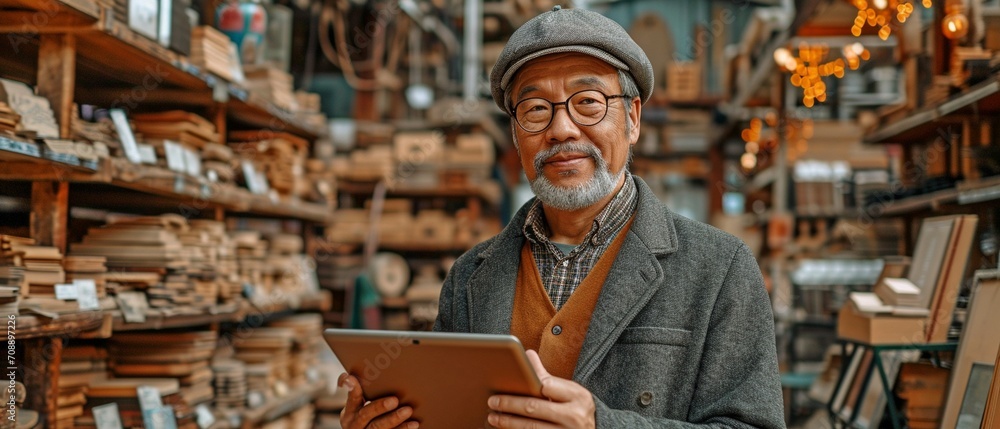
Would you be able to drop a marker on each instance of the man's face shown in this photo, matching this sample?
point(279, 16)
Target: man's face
point(570, 165)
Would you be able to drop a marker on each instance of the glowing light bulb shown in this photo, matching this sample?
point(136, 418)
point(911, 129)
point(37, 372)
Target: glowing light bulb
point(955, 25)
point(781, 56)
point(748, 161)
point(880, 4)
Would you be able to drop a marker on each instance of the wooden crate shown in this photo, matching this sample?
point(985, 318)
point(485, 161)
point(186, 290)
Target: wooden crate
point(684, 81)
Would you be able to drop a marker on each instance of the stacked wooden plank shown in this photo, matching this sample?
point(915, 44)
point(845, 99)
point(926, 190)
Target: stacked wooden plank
point(123, 392)
point(183, 356)
point(219, 265)
point(91, 268)
point(309, 109)
point(9, 119)
point(280, 156)
point(230, 383)
point(177, 125)
point(42, 265)
point(371, 164)
point(81, 365)
point(271, 85)
point(100, 136)
point(12, 284)
point(286, 268)
point(306, 345)
point(922, 387)
point(251, 252)
point(218, 159)
point(213, 51)
point(267, 354)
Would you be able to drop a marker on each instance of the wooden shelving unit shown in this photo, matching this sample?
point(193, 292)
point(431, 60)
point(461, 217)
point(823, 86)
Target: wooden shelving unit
point(74, 52)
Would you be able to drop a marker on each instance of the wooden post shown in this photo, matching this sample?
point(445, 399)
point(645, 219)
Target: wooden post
point(49, 213)
point(41, 377)
point(57, 76)
point(218, 112)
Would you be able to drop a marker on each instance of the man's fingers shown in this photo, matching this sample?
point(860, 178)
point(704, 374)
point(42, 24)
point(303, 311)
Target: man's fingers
point(535, 408)
point(554, 388)
point(355, 395)
point(379, 407)
point(509, 421)
point(394, 419)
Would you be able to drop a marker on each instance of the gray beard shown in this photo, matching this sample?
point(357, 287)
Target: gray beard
point(579, 196)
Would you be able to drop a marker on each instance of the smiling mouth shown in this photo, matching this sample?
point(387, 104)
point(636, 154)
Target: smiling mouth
point(566, 159)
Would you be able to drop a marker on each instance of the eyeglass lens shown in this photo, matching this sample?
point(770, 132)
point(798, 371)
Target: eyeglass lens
point(585, 108)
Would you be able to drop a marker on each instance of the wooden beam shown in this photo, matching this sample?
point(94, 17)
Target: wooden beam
point(42, 357)
point(57, 76)
point(49, 210)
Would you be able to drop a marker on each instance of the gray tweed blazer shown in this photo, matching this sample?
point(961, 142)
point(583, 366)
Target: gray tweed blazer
point(682, 335)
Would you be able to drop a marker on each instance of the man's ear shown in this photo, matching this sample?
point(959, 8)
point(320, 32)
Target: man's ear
point(633, 116)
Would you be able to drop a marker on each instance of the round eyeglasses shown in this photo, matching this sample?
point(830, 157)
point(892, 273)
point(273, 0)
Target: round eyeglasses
point(586, 108)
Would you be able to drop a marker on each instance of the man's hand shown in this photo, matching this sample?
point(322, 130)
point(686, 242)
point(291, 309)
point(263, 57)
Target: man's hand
point(569, 404)
point(383, 413)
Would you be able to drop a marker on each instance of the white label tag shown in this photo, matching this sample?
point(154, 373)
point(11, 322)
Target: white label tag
point(160, 418)
point(106, 416)
point(205, 418)
point(125, 135)
point(175, 156)
point(67, 292)
point(193, 162)
point(149, 398)
point(250, 175)
point(147, 154)
point(133, 306)
point(87, 294)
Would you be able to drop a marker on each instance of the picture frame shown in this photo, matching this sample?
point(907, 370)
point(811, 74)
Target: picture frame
point(978, 344)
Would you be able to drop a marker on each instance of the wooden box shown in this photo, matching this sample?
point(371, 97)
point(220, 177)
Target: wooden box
point(684, 81)
point(879, 329)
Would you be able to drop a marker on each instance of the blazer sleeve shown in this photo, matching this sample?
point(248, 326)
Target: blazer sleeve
point(737, 384)
point(444, 322)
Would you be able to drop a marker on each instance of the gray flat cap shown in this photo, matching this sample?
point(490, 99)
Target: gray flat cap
point(571, 30)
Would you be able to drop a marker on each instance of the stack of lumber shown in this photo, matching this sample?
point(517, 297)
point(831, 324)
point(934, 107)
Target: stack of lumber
point(267, 355)
point(87, 268)
point(350, 226)
point(271, 85)
point(42, 265)
point(179, 126)
point(306, 345)
point(219, 264)
point(146, 254)
point(230, 383)
point(217, 159)
point(100, 136)
point(123, 391)
point(280, 156)
point(9, 119)
point(10, 296)
point(182, 356)
point(251, 252)
point(371, 164)
point(213, 51)
point(81, 365)
point(36, 117)
point(308, 111)
point(922, 387)
point(287, 271)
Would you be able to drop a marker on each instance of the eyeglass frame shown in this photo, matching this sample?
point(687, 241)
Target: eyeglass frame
point(607, 102)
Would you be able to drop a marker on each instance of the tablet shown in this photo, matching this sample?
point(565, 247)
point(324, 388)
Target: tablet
point(446, 377)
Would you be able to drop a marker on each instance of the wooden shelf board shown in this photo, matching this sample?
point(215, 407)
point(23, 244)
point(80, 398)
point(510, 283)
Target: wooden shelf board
point(421, 248)
point(983, 97)
point(31, 326)
point(154, 322)
point(367, 188)
point(268, 117)
point(974, 192)
point(280, 407)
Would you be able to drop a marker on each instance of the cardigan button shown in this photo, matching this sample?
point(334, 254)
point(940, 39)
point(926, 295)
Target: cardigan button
point(646, 399)
point(556, 330)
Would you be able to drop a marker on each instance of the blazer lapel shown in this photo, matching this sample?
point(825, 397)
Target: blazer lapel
point(626, 291)
point(492, 285)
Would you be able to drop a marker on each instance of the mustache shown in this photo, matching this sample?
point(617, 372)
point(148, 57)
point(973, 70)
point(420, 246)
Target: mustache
point(584, 148)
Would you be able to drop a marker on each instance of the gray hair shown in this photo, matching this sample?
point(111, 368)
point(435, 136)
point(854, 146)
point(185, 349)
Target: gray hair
point(629, 89)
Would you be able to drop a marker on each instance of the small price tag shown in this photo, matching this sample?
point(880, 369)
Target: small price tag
point(160, 418)
point(255, 399)
point(193, 162)
point(125, 135)
point(86, 292)
point(147, 154)
point(175, 156)
point(205, 418)
point(133, 306)
point(149, 398)
point(67, 292)
point(106, 416)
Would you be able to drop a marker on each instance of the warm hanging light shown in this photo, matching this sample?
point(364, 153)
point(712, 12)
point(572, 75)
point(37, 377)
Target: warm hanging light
point(809, 68)
point(955, 24)
point(879, 13)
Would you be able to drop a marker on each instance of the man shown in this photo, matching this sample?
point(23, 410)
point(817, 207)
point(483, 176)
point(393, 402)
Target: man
point(640, 318)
